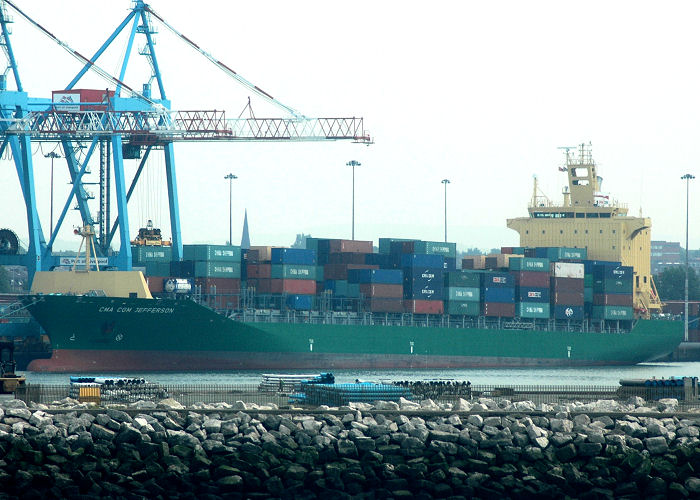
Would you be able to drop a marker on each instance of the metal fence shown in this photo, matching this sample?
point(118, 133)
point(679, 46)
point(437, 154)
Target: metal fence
point(190, 394)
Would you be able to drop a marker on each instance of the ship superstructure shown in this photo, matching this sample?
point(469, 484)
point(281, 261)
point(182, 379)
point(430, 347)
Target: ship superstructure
point(589, 218)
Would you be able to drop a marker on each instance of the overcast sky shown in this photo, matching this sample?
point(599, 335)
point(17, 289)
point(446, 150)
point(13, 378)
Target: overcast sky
point(480, 93)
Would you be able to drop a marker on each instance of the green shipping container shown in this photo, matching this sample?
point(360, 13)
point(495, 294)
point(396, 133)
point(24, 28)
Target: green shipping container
point(463, 278)
point(385, 244)
point(293, 272)
point(435, 248)
point(588, 294)
point(463, 294)
point(588, 280)
point(532, 310)
point(613, 286)
point(612, 312)
point(213, 253)
point(312, 244)
point(462, 308)
point(353, 290)
point(528, 264)
point(157, 268)
point(319, 274)
point(142, 254)
point(217, 269)
point(565, 253)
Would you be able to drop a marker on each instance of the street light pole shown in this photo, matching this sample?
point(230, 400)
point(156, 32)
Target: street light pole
point(353, 164)
point(445, 182)
point(687, 178)
point(53, 155)
point(230, 178)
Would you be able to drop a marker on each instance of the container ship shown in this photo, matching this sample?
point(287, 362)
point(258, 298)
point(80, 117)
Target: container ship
point(338, 304)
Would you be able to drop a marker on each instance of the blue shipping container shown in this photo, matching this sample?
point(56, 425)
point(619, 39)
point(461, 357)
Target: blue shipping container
point(299, 302)
point(623, 273)
point(499, 294)
point(300, 256)
point(338, 287)
point(589, 264)
point(383, 276)
point(426, 274)
point(383, 260)
point(568, 312)
point(497, 279)
point(450, 264)
point(532, 294)
point(430, 291)
point(420, 260)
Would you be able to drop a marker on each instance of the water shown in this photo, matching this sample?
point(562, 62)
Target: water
point(609, 376)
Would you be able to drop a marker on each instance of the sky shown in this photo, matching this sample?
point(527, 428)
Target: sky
point(481, 93)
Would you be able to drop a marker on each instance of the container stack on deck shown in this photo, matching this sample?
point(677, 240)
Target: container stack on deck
point(418, 277)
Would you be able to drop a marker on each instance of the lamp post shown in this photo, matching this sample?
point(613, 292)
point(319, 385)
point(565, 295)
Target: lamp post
point(446, 182)
point(353, 164)
point(53, 155)
point(230, 178)
point(686, 178)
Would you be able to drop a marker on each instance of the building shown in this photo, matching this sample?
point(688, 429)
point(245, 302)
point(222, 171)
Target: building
point(665, 254)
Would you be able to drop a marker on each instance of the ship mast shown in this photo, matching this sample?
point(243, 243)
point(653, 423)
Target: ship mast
point(88, 234)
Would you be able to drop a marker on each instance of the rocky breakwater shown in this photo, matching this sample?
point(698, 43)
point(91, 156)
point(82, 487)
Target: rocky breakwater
point(380, 451)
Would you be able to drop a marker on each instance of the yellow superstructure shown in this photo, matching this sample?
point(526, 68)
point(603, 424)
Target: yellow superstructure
point(589, 218)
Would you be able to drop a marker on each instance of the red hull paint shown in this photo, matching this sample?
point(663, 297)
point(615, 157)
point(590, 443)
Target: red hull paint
point(86, 361)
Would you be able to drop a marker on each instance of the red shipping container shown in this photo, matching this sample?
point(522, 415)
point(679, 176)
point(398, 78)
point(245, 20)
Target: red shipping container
point(507, 250)
point(567, 298)
point(253, 256)
point(347, 258)
point(534, 279)
point(220, 285)
point(567, 284)
point(261, 285)
point(613, 299)
point(499, 309)
point(155, 283)
point(354, 246)
point(387, 305)
point(307, 287)
point(340, 271)
point(259, 270)
point(381, 290)
point(424, 306)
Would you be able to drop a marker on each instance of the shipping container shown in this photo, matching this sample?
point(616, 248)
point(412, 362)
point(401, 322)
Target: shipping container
point(294, 256)
point(499, 294)
point(463, 294)
point(355, 246)
point(532, 294)
point(141, 254)
point(381, 290)
point(299, 302)
point(623, 273)
point(678, 307)
point(157, 268)
point(494, 279)
point(571, 312)
point(400, 247)
point(589, 264)
point(450, 264)
point(537, 310)
point(385, 244)
point(435, 248)
point(567, 270)
point(219, 285)
point(293, 272)
point(420, 289)
point(463, 278)
point(293, 286)
point(499, 309)
point(182, 269)
point(613, 299)
point(474, 262)
point(214, 269)
point(588, 295)
point(259, 270)
point(567, 298)
point(348, 258)
point(561, 253)
point(463, 308)
point(422, 260)
point(566, 285)
point(384, 305)
point(499, 261)
point(612, 313)
point(384, 261)
point(385, 276)
point(340, 271)
point(588, 280)
point(528, 264)
point(338, 287)
point(531, 278)
point(155, 283)
point(424, 306)
point(253, 256)
point(213, 253)
point(623, 286)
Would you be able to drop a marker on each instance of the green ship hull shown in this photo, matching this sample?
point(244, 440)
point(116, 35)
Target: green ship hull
point(130, 334)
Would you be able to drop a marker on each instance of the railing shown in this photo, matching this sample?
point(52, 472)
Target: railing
point(442, 392)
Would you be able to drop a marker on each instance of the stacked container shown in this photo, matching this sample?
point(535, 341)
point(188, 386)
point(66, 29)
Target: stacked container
point(423, 283)
point(293, 271)
point(566, 290)
point(463, 292)
point(382, 289)
point(447, 250)
point(613, 287)
point(156, 259)
point(216, 269)
point(336, 258)
point(498, 294)
point(532, 294)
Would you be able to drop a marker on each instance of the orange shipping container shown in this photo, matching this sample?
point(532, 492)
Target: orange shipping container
point(424, 306)
point(293, 286)
point(381, 290)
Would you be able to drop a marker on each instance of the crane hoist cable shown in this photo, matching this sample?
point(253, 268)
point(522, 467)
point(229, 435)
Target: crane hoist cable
point(101, 72)
point(226, 69)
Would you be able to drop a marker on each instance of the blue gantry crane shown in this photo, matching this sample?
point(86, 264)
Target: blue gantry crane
point(121, 123)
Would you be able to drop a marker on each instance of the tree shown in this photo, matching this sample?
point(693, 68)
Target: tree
point(671, 284)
